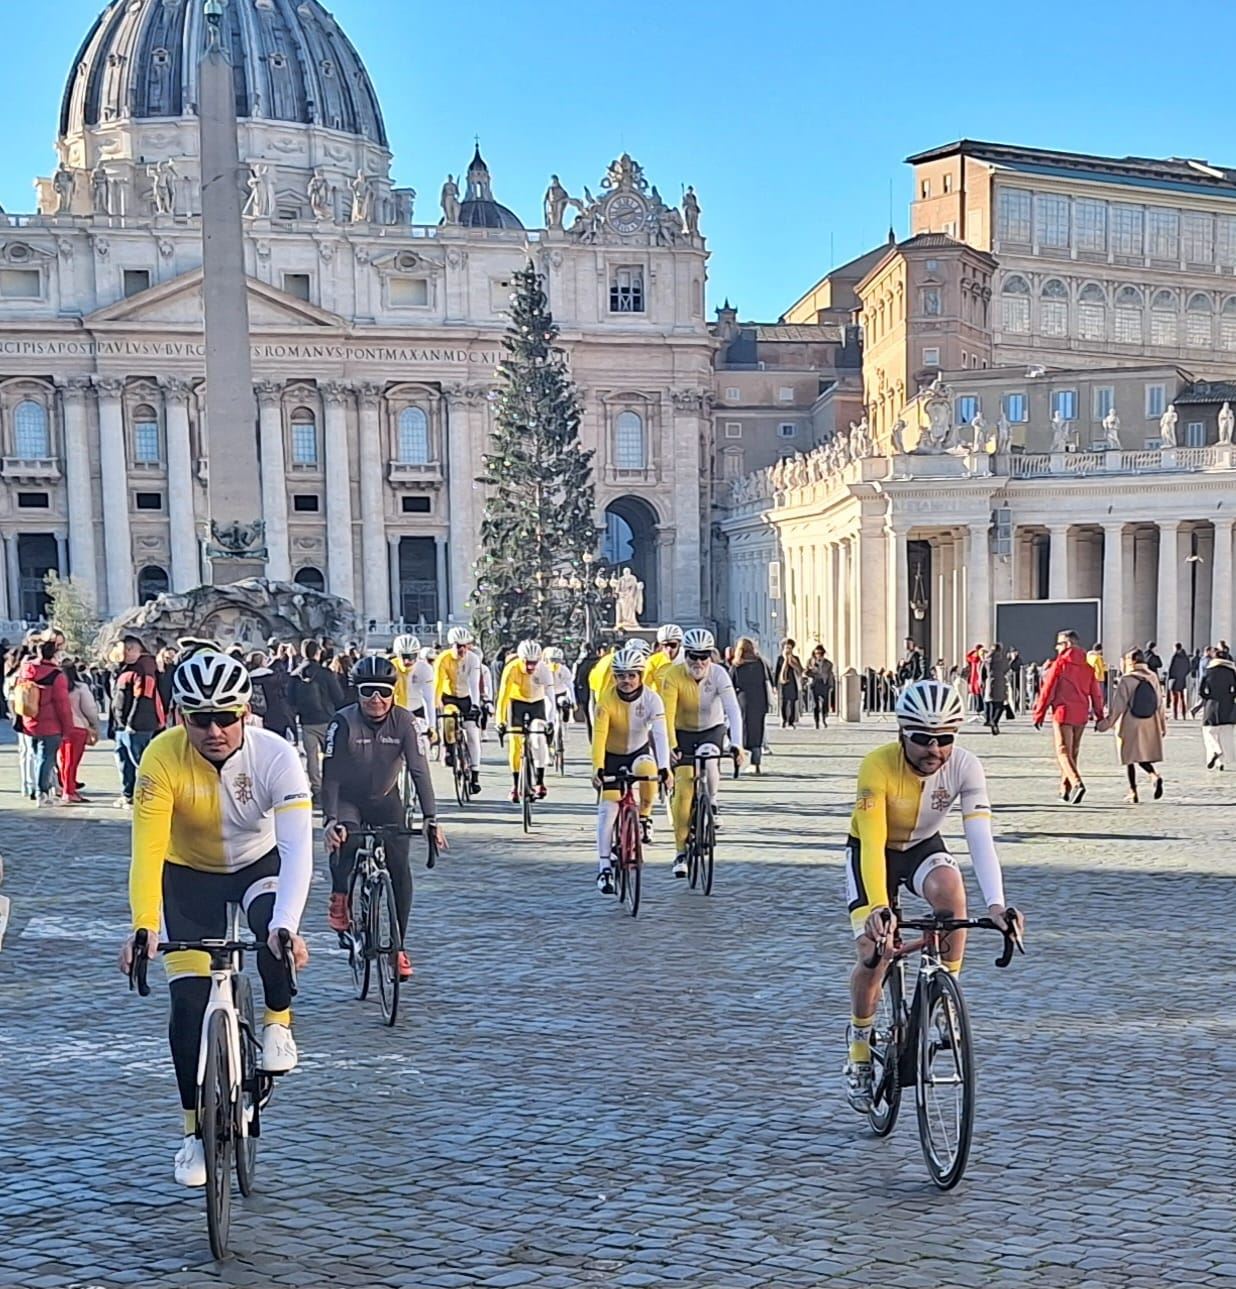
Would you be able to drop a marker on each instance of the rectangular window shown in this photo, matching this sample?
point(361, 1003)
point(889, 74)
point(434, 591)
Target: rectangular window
point(967, 408)
point(1016, 408)
point(1064, 401)
point(409, 292)
point(733, 429)
point(1104, 400)
point(305, 502)
point(33, 501)
point(785, 394)
point(20, 284)
point(1225, 241)
point(1015, 313)
point(1199, 333)
point(148, 500)
point(146, 443)
point(925, 189)
point(136, 281)
point(931, 357)
point(1128, 328)
point(1197, 238)
point(1127, 230)
point(1162, 233)
point(1051, 220)
point(787, 430)
point(732, 463)
point(1091, 321)
point(417, 505)
point(626, 290)
point(297, 284)
point(1227, 331)
point(931, 301)
point(1013, 215)
point(1195, 434)
point(1156, 400)
point(1163, 328)
point(1090, 224)
point(732, 393)
point(304, 444)
point(1054, 317)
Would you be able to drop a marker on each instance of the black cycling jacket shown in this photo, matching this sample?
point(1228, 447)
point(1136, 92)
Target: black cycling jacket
point(361, 761)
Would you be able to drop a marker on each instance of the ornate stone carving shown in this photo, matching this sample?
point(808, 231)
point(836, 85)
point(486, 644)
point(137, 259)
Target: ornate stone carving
point(102, 247)
point(326, 251)
point(163, 177)
point(109, 386)
point(166, 248)
point(63, 182)
point(100, 190)
point(369, 393)
point(450, 201)
point(361, 188)
point(261, 199)
point(691, 212)
point(899, 437)
point(1004, 433)
point(1111, 429)
point(235, 540)
point(1167, 426)
point(268, 392)
point(691, 400)
point(1227, 422)
point(336, 392)
point(556, 198)
point(456, 256)
point(1061, 432)
point(175, 389)
point(321, 196)
point(938, 404)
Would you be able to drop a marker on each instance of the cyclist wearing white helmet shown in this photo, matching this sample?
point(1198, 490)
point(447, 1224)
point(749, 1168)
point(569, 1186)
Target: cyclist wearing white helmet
point(667, 652)
point(905, 792)
point(413, 680)
point(523, 697)
point(221, 816)
point(628, 734)
point(457, 696)
point(563, 689)
point(700, 705)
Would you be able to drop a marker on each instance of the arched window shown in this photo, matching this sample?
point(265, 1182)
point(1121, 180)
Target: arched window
point(151, 581)
point(1015, 305)
point(413, 437)
point(304, 438)
point(629, 449)
point(1092, 312)
point(1227, 323)
point(1129, 307)
point(1199, 321)
point(1054, 308)
point(146, 450)
point(311, 578)
point(31, 437)
point(1164, 319)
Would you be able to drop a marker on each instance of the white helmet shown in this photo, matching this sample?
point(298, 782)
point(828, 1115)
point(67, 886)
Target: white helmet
point(459, 636)
point(211, 681)
point(552, 654)
point(528, 651)
point(638, 642)
point(629, 658)
point(698, 640)
point(670, 633)
point(406, 646)
point(930, 706)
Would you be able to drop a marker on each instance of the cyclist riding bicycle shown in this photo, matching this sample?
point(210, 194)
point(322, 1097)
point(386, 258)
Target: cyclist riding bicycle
point(700, 704)
point(629, 735)
point(457, 693)
point(523, 695)
point(413, 678)
point(221, 816)
point(563, 686)
point(905, 791)
point(667, 652)
point(367, 745)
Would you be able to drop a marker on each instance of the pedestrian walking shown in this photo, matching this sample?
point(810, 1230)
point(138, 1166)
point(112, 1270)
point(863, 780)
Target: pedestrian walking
point(137, 712)
point(995, 686)
point(1178, 668)
point(1217, 691)
point(820, 680)
point(316, 697)
point(751, 685)
point(1070, 693)
point(42, 701)
point(1139, 718)
point(83, 733)
point(974, 677)
point(788, 678)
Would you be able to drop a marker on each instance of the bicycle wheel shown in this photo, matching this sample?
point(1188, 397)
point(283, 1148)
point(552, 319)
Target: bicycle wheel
point(215, 1125)
point(460, 775)
point(246, 1117)
point(359, 949)
point(885, 1054)
point(525, 787)
point(708, 850)
point(944, 1091)
point(559, 748)
point(387, 943)
point(631, 859)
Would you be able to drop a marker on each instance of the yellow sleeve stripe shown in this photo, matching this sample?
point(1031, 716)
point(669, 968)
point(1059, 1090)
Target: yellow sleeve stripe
point(294, 805)
point(977, 814)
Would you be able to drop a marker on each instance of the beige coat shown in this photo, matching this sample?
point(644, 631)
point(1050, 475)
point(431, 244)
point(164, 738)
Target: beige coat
point(1138, 738)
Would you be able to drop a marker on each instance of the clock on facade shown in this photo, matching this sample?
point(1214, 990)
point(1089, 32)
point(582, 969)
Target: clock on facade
point(626, 213)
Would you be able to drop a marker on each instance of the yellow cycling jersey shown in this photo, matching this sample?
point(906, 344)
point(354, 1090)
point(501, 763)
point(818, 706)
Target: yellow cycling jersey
point(656, 665)
point(218, 819)
point(620, 727)
point(601, 676)
point(694, 705)
point(520, 685)
point(458, 676)
point(414, 683)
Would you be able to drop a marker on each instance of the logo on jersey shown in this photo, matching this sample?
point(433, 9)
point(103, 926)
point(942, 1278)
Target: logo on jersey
point(866, 801)
point(940, 799)
point(242, 789)
point(145, 790)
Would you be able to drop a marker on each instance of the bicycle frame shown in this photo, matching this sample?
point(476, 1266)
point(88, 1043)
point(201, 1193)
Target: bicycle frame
point(223, 999)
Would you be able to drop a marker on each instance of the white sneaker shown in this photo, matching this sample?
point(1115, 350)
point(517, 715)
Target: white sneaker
point(278, 1049)
point(190, 1163)
point(680, 866)
point(122, 803)
point(45, 800)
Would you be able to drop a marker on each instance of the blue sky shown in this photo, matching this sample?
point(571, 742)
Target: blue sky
point(791, 119)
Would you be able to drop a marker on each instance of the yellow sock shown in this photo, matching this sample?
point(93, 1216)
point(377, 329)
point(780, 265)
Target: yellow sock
point(277, 1018)
point(190, 1122)
point(860, 1037)
point(953, 968)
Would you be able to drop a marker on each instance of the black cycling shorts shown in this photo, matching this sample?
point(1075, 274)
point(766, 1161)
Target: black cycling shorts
point(690, 740)
point(195, 902)
point(464, 706)
point(908, 868)
point(616, 761)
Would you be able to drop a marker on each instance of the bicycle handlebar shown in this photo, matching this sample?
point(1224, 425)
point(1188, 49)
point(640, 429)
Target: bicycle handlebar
point(141, 959)
point(943, 925)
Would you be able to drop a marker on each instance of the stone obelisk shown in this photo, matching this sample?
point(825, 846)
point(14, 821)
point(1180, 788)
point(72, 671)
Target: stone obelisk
point(236, 547)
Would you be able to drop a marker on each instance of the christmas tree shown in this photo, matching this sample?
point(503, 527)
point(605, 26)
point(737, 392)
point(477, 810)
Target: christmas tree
point(539, 501)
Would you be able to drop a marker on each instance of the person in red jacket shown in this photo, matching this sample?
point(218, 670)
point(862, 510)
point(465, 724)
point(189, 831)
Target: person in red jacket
point(54, 721)
point(1071, 692)
point(974, 677)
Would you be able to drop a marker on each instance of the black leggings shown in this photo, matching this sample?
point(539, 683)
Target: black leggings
point(789, 705)
point(195, 908)
point(1131, 770)
point(381, 812)
point(819, 702)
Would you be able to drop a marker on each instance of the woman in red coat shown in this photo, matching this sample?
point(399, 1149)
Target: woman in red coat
point(974, 662)
point(54, 720)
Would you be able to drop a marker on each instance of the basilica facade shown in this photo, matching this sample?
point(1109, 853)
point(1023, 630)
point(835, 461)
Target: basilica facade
point(376, 326)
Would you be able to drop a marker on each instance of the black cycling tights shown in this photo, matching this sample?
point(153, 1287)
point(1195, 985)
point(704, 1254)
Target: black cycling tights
point(383, 811)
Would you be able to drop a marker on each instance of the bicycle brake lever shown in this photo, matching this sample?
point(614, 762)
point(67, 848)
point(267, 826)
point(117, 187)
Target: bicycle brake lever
point(137, 968)
point(285, 952)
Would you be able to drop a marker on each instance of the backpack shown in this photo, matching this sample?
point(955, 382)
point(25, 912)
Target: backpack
point(26, 699)
point(1145, 702)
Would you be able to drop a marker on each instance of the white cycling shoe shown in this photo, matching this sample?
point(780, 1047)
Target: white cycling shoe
point(279, 1053)
point(190, 1165)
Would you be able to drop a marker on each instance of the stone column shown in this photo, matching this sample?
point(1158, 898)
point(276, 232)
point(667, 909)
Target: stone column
point(185, 570)
point(396, 596)
point(1221, 589)
point(62, 555)
point(1059, 579)
point(441, 554)
point(1114, 642)
point(463, 440)
point(374, 573)
point(82, 559)
point(12, 576)
point(978, 586)
point(898, 583)
point(274, 480)
point(681, 464)
point(114, 468)
point(339, 561)
point(1167, 616)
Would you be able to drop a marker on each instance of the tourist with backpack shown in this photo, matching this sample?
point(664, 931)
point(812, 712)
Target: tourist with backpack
point(1140, 721)
point(41, 700)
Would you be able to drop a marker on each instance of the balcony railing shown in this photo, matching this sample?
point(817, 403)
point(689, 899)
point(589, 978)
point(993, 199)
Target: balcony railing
point(422, 474)
point(31, 469)
point(1033, 465)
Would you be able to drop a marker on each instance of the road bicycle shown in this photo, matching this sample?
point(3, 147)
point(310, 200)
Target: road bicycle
point(559, 748)
point(373, 940)
point(927, 1042)
point(455, 741)
point(626, 853)
point(232, 1088)
point(526, 780)
point(702, 832)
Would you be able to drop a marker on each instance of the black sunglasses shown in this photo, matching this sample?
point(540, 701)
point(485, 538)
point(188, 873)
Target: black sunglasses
point(204, 720)
point(920, 739)
point(699, 657)
point(375, 690)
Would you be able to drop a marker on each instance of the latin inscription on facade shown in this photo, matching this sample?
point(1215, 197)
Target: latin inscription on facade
point(263, 351)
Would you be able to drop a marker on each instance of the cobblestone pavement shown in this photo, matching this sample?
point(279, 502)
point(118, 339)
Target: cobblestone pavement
point(576, 1098)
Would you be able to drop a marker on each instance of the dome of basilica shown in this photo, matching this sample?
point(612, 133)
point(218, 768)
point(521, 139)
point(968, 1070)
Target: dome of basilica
point(293, 64)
